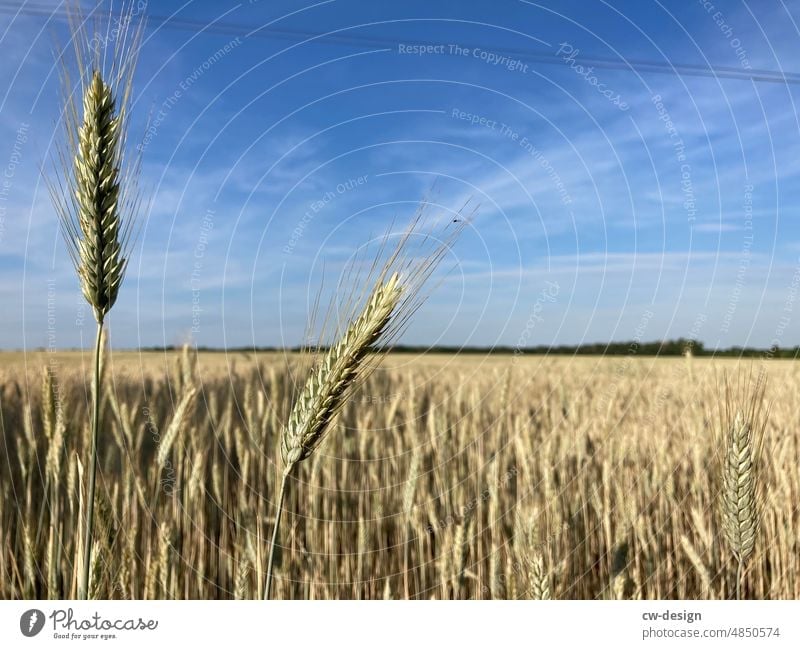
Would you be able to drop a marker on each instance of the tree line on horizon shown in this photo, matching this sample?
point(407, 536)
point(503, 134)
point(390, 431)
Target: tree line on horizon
point(672, 347)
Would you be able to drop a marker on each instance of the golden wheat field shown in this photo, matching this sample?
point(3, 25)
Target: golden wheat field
point(443, 477)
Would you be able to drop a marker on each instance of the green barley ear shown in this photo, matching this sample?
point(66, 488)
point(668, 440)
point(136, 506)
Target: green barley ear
point(94, 187)
point(327, 387)
point(740, 518)
point(742, 428)
point(538, 577)
point(328, 384)
point(95, 192)
point(97, 186)
point(369, 311)
point(374, 311)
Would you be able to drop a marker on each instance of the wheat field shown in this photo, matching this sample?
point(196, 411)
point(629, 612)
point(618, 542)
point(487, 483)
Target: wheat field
point(443, 477)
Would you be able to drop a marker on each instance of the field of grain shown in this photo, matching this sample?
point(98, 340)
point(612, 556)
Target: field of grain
point(443, 477)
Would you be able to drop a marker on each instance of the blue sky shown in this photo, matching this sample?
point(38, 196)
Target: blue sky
point(596, 220)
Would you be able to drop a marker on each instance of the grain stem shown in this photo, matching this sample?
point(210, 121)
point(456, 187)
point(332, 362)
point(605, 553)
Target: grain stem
point(739, 573)
point(83, 587)
point(273, 543)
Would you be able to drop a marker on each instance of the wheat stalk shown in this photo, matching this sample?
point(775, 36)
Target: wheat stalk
point(742, 430)
point(538, 578)
point(323, 394)
point(408, 505)
point(385, 313)
point(94, 194)
point(325, 390)
point(527, 550)
point(461, 540)
point(698, 565)
point(176, 425)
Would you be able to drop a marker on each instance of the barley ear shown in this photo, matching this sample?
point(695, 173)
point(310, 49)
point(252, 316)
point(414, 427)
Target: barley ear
point(94, 187)
point(538, 578)
point(740, 519)
point(326, 388)
point(176, 425)
point(742, 432)
point(94, 192)
point(388, 303)
point(97, 187)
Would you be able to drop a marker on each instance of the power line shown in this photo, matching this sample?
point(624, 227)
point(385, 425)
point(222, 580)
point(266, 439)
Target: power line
point(539, 56)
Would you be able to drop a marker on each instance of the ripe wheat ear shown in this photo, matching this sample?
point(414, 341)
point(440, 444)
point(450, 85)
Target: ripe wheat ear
point(95, 193)
point(743, 425)
point(394, 297)
point(97, 245)
point(323, 393)
point(326, 388)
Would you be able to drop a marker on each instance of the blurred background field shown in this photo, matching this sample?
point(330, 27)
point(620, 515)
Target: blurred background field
point(444, 477)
